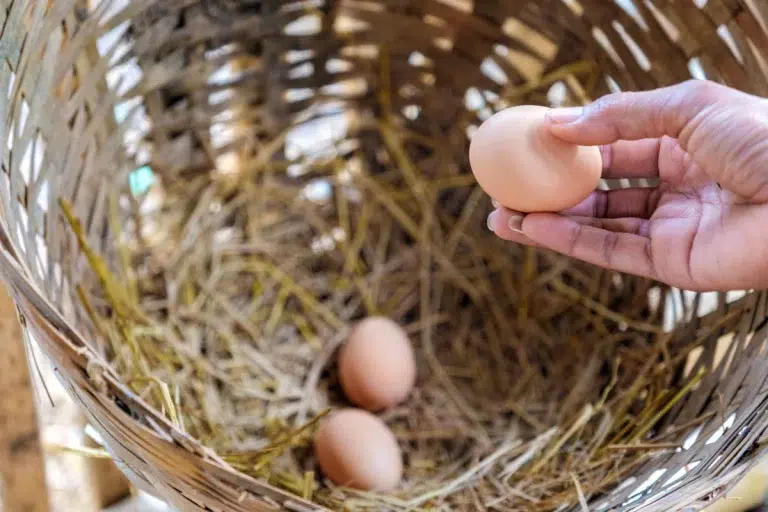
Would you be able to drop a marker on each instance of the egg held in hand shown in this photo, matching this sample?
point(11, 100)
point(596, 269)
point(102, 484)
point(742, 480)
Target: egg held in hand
point(356, 449)
point(518, 162)
point(377, 368)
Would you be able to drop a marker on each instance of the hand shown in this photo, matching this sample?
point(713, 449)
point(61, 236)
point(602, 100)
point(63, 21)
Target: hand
point(704, 226)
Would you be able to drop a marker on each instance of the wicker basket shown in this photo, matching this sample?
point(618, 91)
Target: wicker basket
point(62, 72)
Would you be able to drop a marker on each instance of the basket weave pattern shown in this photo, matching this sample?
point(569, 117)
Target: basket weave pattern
point(59, 139)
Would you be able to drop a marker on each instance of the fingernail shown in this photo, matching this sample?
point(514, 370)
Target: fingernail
point(489, 222)
point(565, 115)
point(495, 203)
point(515, 223)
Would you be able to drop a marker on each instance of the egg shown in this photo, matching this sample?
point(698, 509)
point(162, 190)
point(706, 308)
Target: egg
point(377, 368)
point(356, 449)
point(519, 163)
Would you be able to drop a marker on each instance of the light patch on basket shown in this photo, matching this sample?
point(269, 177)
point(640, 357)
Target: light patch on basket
point(575, 7)
point(363, 51)
point(326, 243)
point(682, 472)
point(637, 494)
point(307, 25)
point(418, 59)
point(113, 8)
point(631, 9)
point(302, 71)
point(220, 51)
point(696, 69)
point(412, 112)
point(23, 116)
point(20, 240)
point(444, 43)
point(141, 180)
point(701, 3)
point(222, 96)
point(735, 295)
point(460, 5)
point(317, 191)
point(316, 138)
point(408, 91)
point(26, 164)
point(485, 114)
point(642, 59)
point(345, 24)
point(534, 40)
point(294, 95)
point(434, 21)
point(125, 77)
point(301, 5)
point(605, 43)
point(41, 256)
point(492, 70)
point(529, 67)
point(347, 88)
point(679, 306)
point(43, 195)
point(708, 302)
point(720, 431)
point(473, 100)
point(228, 163)
point(557, 95)
point(223, 75)
point(337, 66)
point(692, 437)
point(11, 79)
point(106, 44)
point(222, 134)
point(722, 349)
point(295, 56)
point(612, 84)
point(730, 42)
point(667, 26)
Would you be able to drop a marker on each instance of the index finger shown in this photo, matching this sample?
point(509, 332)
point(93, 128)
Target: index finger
point(631, 159)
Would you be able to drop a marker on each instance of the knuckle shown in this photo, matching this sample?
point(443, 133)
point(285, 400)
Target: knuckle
point(651, 201)
point(648, 255)
point(601, 204)
point(573, 242)
point(610, 110)
point(702, 92)
point(610, 242)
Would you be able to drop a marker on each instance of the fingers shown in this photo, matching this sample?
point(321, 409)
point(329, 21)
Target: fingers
point(506, 224)
point(613, 204)
point(631, 159)
point(724, 132)
point(639, 227)
point(634, 116)
point(619, 251)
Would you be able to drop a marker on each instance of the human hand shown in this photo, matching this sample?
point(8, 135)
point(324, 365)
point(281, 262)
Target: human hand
point(704, 226)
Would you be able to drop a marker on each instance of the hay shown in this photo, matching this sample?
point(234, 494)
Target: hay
point(540, 380)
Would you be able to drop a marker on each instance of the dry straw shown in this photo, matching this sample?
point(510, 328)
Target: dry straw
point(309, 168)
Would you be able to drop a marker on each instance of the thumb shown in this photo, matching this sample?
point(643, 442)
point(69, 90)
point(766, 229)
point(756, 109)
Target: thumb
point(641, 115)
point(724, 130)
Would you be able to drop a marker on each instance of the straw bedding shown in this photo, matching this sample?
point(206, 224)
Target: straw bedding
point(280, 170)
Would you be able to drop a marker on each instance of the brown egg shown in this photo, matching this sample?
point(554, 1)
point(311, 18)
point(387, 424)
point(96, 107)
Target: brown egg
point(520, 164)
point(377, 368)
point(356, 449)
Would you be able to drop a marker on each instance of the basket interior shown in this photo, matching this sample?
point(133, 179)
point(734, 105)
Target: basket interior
point(314, 154)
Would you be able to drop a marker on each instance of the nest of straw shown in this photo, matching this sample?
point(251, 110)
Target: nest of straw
point(228, 293)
